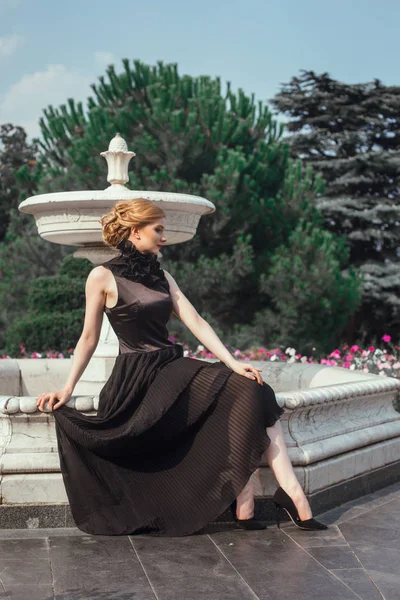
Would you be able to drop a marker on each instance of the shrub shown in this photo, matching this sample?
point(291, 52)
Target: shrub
point(38, 332)
point(59, 294)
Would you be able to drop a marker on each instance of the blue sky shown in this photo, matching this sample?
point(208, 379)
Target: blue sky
point(53, 49)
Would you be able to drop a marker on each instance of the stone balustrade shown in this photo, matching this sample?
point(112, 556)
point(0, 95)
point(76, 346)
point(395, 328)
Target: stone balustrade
point(341, 428)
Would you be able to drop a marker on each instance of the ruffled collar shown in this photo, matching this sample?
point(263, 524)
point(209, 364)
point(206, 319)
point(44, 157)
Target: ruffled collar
point(135, 265)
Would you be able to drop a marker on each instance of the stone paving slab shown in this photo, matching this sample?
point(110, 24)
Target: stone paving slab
point(357, 557)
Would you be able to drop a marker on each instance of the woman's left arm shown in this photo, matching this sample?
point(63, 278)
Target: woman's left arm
point(203, 331)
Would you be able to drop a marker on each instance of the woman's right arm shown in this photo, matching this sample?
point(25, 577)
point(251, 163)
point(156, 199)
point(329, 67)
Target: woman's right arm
point(95, 291)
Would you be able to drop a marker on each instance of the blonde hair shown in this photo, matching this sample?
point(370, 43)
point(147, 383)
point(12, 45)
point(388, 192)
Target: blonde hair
point(117, 224)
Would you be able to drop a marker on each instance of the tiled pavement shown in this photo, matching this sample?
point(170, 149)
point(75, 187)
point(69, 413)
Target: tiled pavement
point(357, 557)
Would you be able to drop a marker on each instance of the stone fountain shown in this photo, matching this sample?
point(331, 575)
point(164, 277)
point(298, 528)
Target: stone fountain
point(341, 428)
point(73, 218)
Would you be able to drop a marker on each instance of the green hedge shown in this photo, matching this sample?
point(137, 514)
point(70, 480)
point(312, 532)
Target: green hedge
point(76, 268)
point(39, 332)
point(55, 312)
point(59, 294)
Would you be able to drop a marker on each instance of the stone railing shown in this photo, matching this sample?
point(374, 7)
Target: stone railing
point(341, 428)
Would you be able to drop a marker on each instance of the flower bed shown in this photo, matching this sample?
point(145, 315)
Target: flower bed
point(378, 361)
point(385, 362)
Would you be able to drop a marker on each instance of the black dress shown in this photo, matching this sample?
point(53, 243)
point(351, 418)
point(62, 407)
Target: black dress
point(175, 439)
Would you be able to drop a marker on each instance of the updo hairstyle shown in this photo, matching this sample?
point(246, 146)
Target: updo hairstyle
point(117, 224)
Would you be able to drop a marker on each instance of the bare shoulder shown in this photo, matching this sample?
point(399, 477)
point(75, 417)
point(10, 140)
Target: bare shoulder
point(183, 308)
point(98, 273)
point(170, 279)
point(99, 276)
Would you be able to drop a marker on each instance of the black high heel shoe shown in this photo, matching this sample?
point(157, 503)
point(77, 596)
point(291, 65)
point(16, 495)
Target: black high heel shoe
point(284, 502)
point(249, 524)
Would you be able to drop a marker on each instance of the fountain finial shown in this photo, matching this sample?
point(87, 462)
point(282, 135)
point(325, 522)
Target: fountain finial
point(118, 157)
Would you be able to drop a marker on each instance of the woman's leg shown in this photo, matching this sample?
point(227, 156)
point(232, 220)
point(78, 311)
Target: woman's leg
point(278, 459)
point(245, 502)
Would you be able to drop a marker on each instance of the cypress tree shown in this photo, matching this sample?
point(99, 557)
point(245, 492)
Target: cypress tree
point(351, 134)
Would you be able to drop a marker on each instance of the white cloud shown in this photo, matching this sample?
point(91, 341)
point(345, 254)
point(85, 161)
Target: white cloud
point(24, 101)
point(9, 44)
point(103, 59)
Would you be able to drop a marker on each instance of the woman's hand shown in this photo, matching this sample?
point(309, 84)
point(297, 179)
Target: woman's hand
point(51, 397)
point(246, 370)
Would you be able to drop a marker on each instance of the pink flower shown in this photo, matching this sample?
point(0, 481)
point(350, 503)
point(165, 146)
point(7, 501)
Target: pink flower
point(386, 338)
point(354, 349)
point(371, 348)
point(396, 365)
point(348, 357)
point(334, 354)
point(346, 365)
point(261, 350)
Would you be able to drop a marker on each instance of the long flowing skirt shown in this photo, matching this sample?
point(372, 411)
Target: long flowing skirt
point(173, 443)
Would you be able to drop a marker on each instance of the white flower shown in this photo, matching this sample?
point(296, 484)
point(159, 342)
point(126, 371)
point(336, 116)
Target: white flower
point(352, 367)
point(200, 347)
point(273, 357)
point(185, 352)
point(303, 359)
point(290, 351)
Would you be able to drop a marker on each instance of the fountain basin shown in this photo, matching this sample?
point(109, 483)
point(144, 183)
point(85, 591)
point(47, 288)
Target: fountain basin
point(73, 218)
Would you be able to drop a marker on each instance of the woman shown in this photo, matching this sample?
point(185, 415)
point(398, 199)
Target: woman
point(175, 440)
